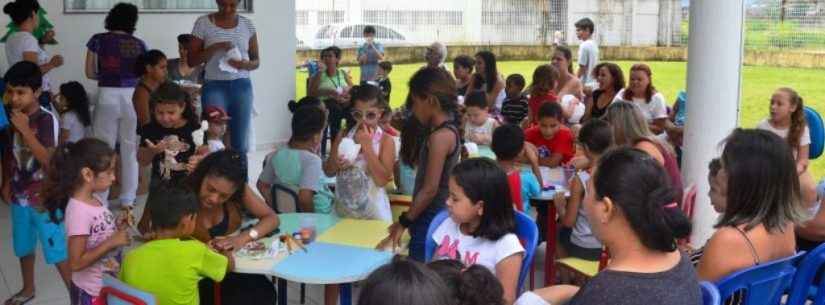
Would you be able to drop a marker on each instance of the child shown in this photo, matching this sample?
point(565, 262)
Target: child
point(588, 53)
point(481, 226)
point(26, 149)
point(576, 237)
point(553, 140)
point(216, 118)
point(787, 120)
point(404, 281)
point(411, 133)
point(298, 164)
point(383, 79)
point(360, 189)
point(471, 285)
point(508, 144)
point(171, 265)
point(479, 126)
point(545, 78)
point(463, 71)
point(369, 55)
point(515, 107)
point(75, 118)
point(78, 171)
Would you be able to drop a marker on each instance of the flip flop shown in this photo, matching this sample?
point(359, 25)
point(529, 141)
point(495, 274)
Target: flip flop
point(19, 299)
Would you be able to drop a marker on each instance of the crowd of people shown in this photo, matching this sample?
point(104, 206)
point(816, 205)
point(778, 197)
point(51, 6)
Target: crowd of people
point(188, 120)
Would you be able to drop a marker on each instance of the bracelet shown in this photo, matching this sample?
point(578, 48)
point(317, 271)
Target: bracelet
point(404, 221)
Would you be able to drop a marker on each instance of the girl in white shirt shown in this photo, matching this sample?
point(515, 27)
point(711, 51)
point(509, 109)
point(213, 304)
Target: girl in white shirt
point(642, 93)
point(75, 118)
point(481, 226)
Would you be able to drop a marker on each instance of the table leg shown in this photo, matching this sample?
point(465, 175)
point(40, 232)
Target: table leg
point(345, 291)
point(282, 292)
point(550, 253)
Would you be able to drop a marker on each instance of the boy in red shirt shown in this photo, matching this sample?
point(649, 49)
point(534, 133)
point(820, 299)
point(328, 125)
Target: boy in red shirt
point(553, 140)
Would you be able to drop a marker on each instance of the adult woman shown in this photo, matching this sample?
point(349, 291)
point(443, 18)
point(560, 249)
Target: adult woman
point(22, 45)
point(110, 60)
point(760, 204)
point(568, 83)
point(631, 129)
point(488, 79)
point(641, 92)
point(633, 212)
point(220, 180)
point(179, 68)
point(228, 88)
point(331, 84)
point(611, 80)
point(152, 69)
point(435, 55)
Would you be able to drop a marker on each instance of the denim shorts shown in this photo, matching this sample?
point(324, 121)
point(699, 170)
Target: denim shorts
point(29, 225)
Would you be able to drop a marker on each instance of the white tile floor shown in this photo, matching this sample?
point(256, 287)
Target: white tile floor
point(50, 289)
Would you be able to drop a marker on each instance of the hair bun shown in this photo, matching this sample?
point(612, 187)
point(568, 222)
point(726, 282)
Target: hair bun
point(10, 7)
point(292, 105)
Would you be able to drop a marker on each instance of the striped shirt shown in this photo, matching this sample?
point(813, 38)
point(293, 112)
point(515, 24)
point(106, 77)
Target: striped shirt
point(514, 110)
point(239, 36)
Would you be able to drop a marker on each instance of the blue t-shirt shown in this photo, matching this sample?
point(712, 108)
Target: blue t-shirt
point(529, 187)
point(370, 68)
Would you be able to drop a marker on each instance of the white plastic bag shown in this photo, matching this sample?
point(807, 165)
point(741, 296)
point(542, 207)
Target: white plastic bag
point(348, 150)
point(578, 111)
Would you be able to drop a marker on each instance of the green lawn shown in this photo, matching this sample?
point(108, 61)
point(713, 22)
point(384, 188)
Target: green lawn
point(669, 78)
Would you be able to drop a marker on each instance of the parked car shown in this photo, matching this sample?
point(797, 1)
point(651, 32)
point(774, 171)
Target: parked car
point(352, 35)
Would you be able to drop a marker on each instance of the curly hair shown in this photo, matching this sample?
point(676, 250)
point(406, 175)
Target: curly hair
point(798, 122)
point(227, 164)
point(122, 17)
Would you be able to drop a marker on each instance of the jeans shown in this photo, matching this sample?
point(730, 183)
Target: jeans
point(418, 233)
point(115, 121)
point(235, 97)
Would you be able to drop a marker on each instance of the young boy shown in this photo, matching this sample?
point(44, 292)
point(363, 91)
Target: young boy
point(298, 164)
point(479, 126)
point(170, 266)
point(508, 144)
point(369, 55)
point(553, 140)
point(383, 79)
point(588, 53)
point(463, 71)
point(515, 107)
point(26, 149)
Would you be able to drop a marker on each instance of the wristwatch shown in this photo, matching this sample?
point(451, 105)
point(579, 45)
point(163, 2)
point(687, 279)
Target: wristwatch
point(253, 234)
point(404, 221)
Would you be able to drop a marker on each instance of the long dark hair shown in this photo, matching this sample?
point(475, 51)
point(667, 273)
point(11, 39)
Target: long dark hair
point(122, 17)
point(20, 11)
point(150, 58)
point(77, 100)
point(63, 173)
point(434, 82)
point(171, 93)
point(490, 69)
point(798, 122)
point(412, 137)
point(615, 72)
point(227, 164)
point(484, 181)
point(639, 186)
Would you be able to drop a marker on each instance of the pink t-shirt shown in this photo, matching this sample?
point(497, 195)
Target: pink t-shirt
point(98, 223)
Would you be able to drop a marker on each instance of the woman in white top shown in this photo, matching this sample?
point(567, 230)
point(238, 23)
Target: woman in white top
point(641, 92)
point(488, 79)
point(228, 44)
point(22, 45)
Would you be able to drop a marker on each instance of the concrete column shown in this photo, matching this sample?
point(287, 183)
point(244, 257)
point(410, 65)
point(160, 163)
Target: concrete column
point(472, 22)
point(715, 54)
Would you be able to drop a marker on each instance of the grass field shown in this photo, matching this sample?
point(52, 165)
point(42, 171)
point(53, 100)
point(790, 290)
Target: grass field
point(669, 78)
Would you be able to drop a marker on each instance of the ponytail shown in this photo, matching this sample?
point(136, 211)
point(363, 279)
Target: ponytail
point(798, 122)
point(63, 175)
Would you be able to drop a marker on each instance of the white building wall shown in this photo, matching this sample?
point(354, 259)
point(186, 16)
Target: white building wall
point(273, 82)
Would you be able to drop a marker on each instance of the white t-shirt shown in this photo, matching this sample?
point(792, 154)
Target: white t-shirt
point(238, 36)
point(804, 139)
point(452, 244)
point(22, 42)
point(589, 57)
point(655, 109)
point(69, 121)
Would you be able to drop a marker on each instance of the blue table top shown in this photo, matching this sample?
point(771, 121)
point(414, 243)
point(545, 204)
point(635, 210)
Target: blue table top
point(325, 263)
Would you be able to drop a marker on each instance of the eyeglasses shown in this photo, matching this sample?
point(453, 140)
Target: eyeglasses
point(369, 115)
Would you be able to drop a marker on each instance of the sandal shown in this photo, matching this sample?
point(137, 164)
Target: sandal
point(19, 299)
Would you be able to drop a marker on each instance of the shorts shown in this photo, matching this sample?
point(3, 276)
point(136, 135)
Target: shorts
point(29, 225)
point(590, 254)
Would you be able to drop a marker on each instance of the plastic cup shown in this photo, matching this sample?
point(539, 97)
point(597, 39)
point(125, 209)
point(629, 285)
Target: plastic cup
point(308, 225)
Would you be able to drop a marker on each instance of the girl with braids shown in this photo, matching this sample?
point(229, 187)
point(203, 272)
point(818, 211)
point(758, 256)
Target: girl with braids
point(77, 172)
point(787, 120)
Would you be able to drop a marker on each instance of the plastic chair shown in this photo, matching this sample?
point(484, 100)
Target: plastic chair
point(763, 284)
point(115, 292)
point(817, 130)
point(526, 231)
point(284, 198)
point(710, 294)
point(688, 204)
point(804, 289)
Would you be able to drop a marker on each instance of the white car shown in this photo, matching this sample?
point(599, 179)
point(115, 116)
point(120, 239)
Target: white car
point(352, 36)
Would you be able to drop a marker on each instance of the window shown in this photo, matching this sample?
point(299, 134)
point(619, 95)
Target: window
point(150, 6)
point(346, 32)
point(326, 32)
point(301, 18)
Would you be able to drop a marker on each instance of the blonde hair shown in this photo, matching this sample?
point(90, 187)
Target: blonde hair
point(630, 126)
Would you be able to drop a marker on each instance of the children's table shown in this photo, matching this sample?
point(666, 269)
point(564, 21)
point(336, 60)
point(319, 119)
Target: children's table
point(343, 253)
point(546, 215)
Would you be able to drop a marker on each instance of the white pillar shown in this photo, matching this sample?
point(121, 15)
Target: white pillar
point(472, 22)
point(715, 55)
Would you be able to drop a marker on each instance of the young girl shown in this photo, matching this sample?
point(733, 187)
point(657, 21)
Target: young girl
point(545, 78)
point(79, 170)
point(75, 118)
point(787, 120)
point(152, 68)
point(641, 92)
point(375, 159)
point(410, 142)
point(575, 235)
point(488, 79)
point(479, 126)
point(481, 226)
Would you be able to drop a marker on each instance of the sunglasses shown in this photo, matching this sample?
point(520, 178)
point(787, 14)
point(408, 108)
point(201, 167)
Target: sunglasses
point(369, 115)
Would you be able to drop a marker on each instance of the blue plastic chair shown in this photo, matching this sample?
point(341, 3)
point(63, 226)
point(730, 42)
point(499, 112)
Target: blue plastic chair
point(763, 284)
point(116, 292)
point(710, 294)
point(817, 129)
point(526, 231)
point(804, 288)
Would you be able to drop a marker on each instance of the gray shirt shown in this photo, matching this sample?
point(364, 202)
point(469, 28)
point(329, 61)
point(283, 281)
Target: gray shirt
point(173, 69)
point(588, 57)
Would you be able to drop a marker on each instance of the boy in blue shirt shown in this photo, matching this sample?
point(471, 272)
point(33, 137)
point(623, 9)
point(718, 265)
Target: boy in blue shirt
point(508, 144)
point(369, 55)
